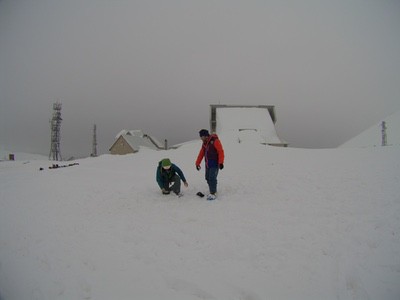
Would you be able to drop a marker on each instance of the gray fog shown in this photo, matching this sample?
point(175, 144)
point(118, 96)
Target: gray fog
point(331, 68)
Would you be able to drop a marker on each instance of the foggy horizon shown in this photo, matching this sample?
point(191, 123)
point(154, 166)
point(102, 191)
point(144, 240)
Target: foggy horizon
point(331, 69)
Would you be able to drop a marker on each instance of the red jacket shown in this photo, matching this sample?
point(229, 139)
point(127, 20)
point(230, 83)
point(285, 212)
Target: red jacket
point(212, 151)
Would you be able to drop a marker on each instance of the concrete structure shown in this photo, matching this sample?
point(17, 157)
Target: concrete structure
point(130, 141)
point(243, 123)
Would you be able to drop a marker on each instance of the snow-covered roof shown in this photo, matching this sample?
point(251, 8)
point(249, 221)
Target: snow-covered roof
point(137, 139)
point(246, 124)
point(373, 135)
point(136, 132)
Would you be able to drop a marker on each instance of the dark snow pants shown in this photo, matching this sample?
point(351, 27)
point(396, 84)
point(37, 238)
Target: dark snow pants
point(211, 178)
point(175, 184)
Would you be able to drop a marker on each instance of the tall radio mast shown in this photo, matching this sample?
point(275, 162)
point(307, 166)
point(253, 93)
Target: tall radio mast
point(94, 144)
point(55, 126)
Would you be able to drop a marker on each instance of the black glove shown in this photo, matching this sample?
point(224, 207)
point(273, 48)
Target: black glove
point(221, 166)
point(198, 167)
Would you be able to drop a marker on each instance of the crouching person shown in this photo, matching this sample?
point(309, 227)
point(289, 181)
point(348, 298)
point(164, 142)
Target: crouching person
point(169, 177)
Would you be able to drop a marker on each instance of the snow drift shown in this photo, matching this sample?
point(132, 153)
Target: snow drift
point(372, 136)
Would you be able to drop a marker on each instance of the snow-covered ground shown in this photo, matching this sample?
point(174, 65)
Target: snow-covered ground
point(288, 224)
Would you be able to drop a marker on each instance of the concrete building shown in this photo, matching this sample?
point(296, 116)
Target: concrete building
point(246, 122)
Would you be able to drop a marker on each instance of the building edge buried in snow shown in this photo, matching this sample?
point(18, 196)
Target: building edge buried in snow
point(244, 123)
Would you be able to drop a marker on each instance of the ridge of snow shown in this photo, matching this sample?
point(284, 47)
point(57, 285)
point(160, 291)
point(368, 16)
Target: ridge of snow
point(372, 136)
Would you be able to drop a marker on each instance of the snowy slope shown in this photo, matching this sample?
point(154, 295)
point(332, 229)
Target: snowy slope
point(5, 155)
point(373, 136)
point(288, 224)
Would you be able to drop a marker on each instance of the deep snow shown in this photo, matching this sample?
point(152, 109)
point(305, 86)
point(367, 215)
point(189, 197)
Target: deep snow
point(288, 224)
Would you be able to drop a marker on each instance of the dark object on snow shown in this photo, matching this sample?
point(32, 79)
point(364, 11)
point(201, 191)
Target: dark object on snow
point(200, 194)
point(56, 166)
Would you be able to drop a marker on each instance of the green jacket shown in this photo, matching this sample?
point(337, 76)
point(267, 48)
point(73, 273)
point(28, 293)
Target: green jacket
point(164, 177)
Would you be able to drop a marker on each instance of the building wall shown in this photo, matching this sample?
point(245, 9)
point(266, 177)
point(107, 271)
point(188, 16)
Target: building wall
point(121, 147)
point(214, 107)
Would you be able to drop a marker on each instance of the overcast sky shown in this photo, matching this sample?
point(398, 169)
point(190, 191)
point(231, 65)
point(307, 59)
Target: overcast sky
point(331, 68)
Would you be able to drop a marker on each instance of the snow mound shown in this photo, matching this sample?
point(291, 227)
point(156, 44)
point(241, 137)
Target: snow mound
point(17, 156)
point(373, 136)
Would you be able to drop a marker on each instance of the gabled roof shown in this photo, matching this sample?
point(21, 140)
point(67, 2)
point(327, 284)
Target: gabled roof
point(136, 132)
point(137, 139)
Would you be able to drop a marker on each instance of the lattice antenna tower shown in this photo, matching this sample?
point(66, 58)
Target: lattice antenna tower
point(94, 143)
point(55, 126)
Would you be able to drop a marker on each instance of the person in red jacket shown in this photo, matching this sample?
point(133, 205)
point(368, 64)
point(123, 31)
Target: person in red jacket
point(213, 154)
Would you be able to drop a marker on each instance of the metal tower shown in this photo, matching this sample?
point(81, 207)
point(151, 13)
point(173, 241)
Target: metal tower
point(94, 144)
point(55, 126)
point(384, 136)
